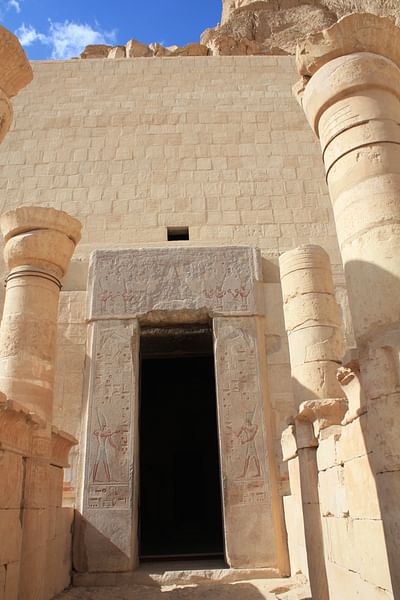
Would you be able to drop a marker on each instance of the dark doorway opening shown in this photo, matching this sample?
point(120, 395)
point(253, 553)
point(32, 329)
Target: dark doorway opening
point(180, 512)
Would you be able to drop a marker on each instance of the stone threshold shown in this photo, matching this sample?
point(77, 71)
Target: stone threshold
point(175, 573)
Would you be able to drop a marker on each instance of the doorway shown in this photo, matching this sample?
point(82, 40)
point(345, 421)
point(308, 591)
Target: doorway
point(180, 511)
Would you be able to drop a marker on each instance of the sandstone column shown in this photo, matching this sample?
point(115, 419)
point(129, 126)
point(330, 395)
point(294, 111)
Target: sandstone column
point(351, 95)
point(39, 246)
point(315, 344)
point(312, 320)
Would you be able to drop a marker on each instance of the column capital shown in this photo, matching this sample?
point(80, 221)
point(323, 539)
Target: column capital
point(43, 238)
point(358, 32)
point(15, 74)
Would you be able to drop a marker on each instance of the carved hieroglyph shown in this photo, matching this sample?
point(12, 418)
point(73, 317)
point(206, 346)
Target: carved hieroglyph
point(132, 283)
point(244, 455)
point(107, 501)
point(172, 286)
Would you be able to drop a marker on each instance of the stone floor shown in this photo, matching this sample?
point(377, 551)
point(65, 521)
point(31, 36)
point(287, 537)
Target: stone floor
point(261, 589)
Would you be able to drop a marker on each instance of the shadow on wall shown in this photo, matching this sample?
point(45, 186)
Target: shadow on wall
point(85, 535)
point(376, 293)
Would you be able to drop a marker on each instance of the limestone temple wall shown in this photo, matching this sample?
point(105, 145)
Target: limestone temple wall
point(220, 146)
point(131, 147)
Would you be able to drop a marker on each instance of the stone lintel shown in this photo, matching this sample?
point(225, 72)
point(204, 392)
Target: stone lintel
point(61, 444)
point(358, 32)
point(15, 69)
point(172, 285)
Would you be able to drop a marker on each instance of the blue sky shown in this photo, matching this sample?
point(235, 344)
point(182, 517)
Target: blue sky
point(59, 29)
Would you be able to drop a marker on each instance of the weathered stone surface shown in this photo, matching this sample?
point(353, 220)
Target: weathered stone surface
point(312, 321)
point(96, 51)
point(106, 532)
point(338, 7)
point(11, 476)
point(247, 493)
point(189, 282)
point(192, 50)
point(294, 520)
point(39, 246)
point(25, 219)
point(135, 49)
point(353, 33)
point(159, 50)
point(288, 443)
point(323, 413)
point(229, 45)
point(10, 535)
point(184, 585)
point(117, 52)
point(15, 71)
point(179, 283)
point(61, 444)
point(271, 27)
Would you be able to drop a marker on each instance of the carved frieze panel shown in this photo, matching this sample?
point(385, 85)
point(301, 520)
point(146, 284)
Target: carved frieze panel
point(133, 283)
point(109, 469)
point(244, 456)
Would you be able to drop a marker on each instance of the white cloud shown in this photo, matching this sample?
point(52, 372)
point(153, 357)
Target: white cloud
point(28, 35)
point(65, 39)
point(7, 5)
point(69, 38)
point(15, 5)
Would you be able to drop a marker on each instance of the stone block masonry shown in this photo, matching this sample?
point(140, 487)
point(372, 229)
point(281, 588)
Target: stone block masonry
point(132, 147)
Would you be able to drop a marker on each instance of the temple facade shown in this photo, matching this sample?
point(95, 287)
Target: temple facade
point(199, 347)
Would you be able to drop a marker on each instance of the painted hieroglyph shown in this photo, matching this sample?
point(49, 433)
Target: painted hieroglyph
point(134, 282)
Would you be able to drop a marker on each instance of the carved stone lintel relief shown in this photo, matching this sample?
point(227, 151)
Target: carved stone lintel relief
point(213, 281)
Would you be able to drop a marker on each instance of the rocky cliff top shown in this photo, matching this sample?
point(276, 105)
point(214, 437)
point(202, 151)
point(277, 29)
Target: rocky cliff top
point(256, 27)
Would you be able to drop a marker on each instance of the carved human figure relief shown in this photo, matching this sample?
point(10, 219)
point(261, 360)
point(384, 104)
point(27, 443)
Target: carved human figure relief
point(109, 446)
point(246, 436)
point(241, 411)
point(135, 282)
